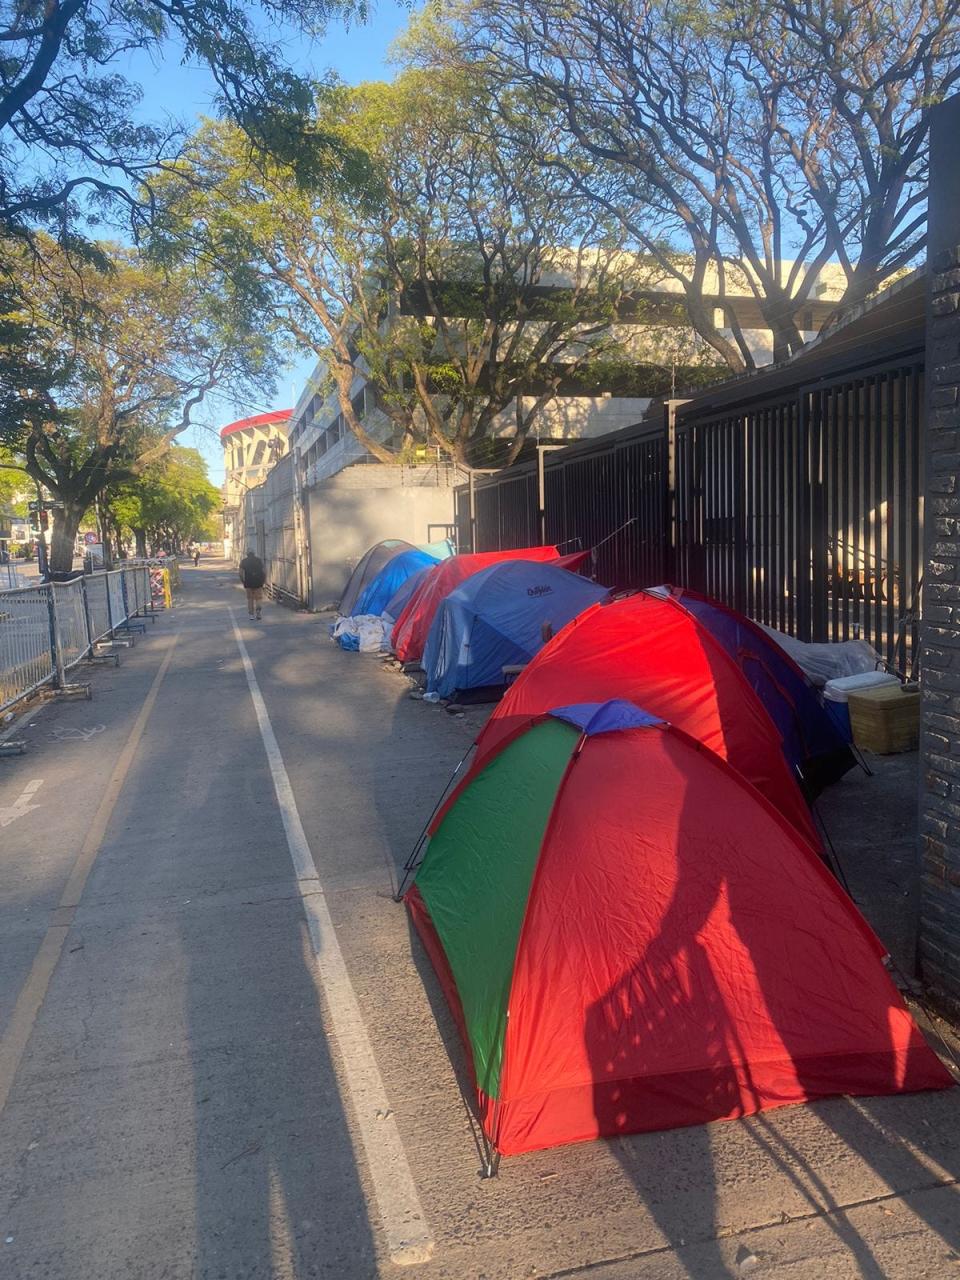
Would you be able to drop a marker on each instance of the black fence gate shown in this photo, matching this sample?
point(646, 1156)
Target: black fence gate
point(805, 513)
point(794, 494)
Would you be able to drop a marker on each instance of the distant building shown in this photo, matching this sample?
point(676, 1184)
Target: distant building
point(251, 446)
point(324, 444)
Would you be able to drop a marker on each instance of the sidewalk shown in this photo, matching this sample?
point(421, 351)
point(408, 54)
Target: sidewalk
point(192, 1100)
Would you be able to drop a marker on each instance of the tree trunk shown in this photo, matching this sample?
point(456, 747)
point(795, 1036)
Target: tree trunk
point(65, 525)
point(141, 539)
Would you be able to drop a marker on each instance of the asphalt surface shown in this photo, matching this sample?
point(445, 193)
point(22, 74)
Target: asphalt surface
point(178, 1071)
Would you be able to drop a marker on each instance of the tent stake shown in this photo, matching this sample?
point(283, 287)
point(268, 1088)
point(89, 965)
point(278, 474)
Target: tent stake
point(411, 862)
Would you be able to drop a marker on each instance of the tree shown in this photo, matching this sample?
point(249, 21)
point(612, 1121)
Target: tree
point(68, 142)
point(171, 503)
point(457, 273)
point(137, 352)
point(740, 141)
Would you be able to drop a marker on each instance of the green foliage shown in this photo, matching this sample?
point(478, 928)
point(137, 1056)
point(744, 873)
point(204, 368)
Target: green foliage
point(135, 350)
point(172, 501)
point(451, 264)
point(71, 151)
point(754, 149)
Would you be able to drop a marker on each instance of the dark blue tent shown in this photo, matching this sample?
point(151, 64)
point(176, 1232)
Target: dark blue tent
point(495, 619)
point(377, 593)
point(812, 740)
point(397, 602)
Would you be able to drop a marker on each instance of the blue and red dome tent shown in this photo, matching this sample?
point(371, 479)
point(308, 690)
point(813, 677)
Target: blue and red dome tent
point(812, 739)
point(409, 635)
point(496, 618)
point(631, 938)
point(648, 650)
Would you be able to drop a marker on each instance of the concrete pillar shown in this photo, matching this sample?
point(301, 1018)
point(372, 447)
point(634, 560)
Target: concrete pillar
point(939, 933)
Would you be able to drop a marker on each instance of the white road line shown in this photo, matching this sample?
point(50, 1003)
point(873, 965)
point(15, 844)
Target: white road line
point(21, 805)
point(404, 1224)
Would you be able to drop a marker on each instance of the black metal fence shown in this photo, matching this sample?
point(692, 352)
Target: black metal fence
point(610, 494)
point(799, 504)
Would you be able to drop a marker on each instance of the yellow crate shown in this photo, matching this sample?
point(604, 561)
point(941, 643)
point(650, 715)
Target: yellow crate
point(885, 719)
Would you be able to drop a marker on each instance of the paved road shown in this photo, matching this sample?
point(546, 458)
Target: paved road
point(224, 1056)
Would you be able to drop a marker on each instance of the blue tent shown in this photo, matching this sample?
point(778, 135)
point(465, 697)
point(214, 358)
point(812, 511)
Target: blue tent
point(395, 605)
point(377, 593)
point(367, 567)
point(495, 619)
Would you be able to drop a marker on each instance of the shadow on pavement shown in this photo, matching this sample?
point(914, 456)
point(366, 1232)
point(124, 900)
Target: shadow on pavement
point(277, 1190)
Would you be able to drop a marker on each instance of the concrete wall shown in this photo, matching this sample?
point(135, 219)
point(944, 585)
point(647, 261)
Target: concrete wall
point(940, 731)
point(576, 417)
point(366, 503)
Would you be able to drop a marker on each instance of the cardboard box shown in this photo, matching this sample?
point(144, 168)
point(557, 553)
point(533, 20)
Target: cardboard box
point(885, 719)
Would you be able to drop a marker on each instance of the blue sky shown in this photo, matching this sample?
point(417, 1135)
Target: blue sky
point(183, 93)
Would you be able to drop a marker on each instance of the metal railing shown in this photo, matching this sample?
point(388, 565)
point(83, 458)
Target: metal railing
point(48, 628)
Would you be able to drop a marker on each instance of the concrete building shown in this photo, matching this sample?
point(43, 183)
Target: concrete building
point(324, 443)
point(335, 500)
point(251, 446)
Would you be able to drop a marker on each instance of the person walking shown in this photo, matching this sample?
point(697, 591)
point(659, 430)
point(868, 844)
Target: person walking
point(253, 576)
point(196, 557)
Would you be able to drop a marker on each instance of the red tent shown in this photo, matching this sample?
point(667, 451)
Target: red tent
point(654, 653)
point(632, 938)
point(410, 633)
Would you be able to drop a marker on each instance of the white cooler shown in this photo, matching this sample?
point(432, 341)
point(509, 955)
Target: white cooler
point(835, 694)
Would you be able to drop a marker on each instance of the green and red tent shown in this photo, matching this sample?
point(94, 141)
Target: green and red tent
point(631, 938)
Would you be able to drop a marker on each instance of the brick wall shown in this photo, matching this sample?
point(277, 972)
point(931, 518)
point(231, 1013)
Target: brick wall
point(939, 933)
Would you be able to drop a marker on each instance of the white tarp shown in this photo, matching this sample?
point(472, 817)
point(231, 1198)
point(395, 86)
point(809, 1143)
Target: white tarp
point(822, 662)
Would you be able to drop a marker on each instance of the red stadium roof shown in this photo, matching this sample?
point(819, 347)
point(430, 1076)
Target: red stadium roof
point(260, 420)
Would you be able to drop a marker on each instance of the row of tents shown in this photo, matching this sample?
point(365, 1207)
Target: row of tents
point(625, 896)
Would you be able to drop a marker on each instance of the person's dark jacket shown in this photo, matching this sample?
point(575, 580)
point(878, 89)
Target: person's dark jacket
point(252, 572)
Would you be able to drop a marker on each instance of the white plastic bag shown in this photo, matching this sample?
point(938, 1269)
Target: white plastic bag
point(364, 633)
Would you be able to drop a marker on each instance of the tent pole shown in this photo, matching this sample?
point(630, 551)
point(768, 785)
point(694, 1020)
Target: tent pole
point(491, 1156)
point(832, 854)
point(858, 756)
point(832, 859)
point(411, 862)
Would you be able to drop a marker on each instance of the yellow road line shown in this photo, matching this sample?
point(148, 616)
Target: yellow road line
point(30, 1000)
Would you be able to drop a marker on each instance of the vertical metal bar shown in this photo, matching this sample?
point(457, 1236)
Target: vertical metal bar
point(845, 482)
point(829, 467)
point(106, 592)
point(916, 517)
point(736, 525)
point(86, 616)
point(856, 515)
point(887, 576)
point(768, 542)
point(785, 517)
point(818, 540)
point(876, 503)
point(56, 644)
